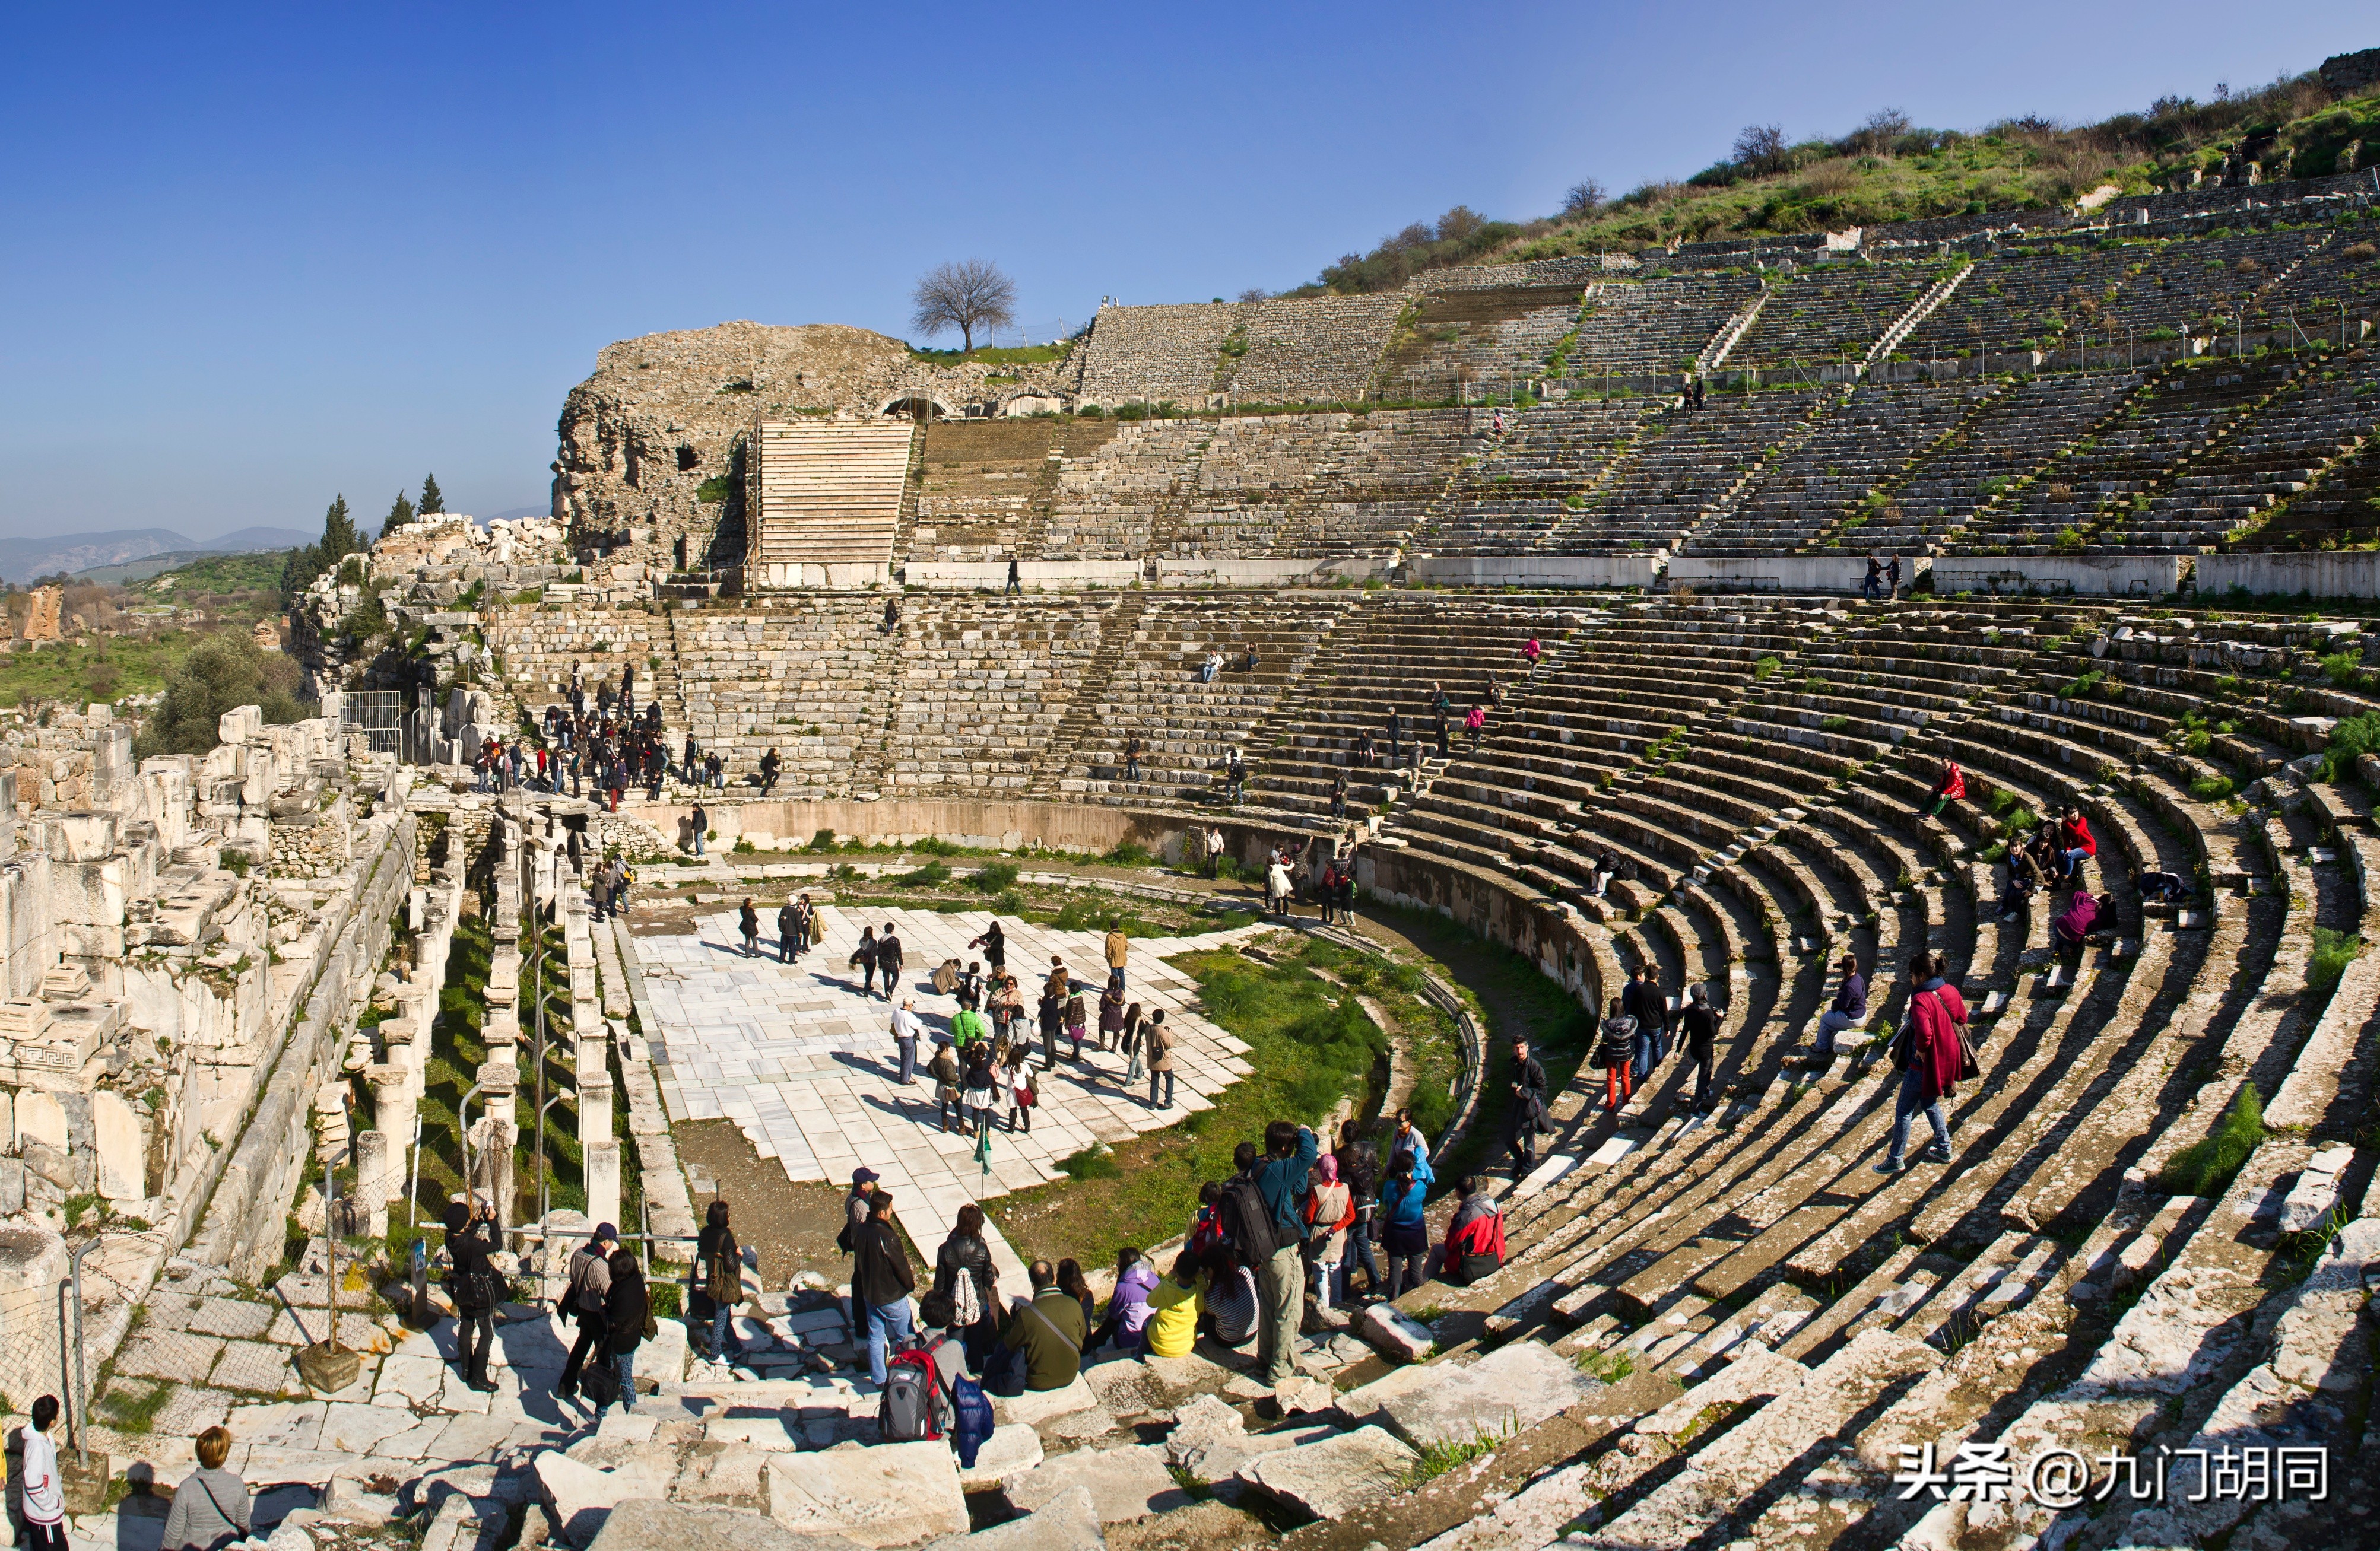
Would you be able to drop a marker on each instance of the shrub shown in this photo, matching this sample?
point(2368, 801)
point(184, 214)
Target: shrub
point(1766, 666)
point(221, 673)
point(2206, 1166)
point(822, 841)
point(995, 878)
point(2332, 951)
point(925, 877)
point(1835, 724)
point(2344, 668)
point(2351, 737)
point(2211, 788)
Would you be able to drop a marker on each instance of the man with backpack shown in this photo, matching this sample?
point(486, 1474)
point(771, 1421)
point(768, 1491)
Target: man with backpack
point(1264, 1212)
point(881, 1281)
point(475, 1287)
point(589, 1283)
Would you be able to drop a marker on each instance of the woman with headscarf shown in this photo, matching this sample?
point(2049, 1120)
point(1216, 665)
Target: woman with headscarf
point(1329, 1209)
point(1932, 1058)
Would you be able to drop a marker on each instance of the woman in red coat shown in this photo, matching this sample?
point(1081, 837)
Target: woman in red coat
point(1930, 1057)
point(1950, 788)
point(2075, 846)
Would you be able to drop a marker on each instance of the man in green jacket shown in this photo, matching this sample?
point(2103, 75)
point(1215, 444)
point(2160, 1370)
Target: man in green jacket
point(1049, 1330)
point(967, 1025)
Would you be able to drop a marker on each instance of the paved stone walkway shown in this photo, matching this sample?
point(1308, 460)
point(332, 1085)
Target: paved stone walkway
point(804, 1064)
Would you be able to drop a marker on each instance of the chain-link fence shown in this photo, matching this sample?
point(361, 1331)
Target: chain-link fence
point(40, 1326)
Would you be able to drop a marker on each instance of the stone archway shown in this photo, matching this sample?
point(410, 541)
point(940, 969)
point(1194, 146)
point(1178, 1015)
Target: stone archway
point(915, 405)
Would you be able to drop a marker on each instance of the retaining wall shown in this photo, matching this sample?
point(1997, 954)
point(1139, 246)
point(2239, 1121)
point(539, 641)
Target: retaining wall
point(1844, 572)
point(2120, 576)
point(1630, 569)
point(2334, 574)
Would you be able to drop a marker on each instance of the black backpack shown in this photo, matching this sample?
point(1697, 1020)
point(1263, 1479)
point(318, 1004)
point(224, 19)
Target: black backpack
point(1248, 1220)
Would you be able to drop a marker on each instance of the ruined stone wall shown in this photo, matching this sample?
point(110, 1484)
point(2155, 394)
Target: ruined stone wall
point(664, 412)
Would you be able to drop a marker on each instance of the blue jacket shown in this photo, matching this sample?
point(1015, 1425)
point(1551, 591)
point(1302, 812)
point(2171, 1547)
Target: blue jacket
point(1281, 1181)
point(1403, 1209)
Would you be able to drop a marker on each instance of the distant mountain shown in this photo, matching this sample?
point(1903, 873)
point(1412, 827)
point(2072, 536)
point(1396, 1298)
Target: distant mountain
point(21, 560)
point(251, 541)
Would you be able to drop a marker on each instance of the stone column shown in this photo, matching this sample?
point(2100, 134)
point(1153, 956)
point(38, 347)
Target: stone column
point(376, 1183)
point(603, 1167)
point(394, 1100)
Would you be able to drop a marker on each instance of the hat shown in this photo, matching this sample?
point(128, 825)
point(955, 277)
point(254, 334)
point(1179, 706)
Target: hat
point(604, 1230)
point(863, 1175)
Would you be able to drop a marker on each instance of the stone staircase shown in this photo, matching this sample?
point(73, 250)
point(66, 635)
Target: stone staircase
point(1713, 355)
point(829, 503)
point(1117, 634)
point(1919, 310)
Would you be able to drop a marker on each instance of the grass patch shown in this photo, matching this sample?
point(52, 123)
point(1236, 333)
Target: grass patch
point(1766, 667)
point(1834, 723)
point(1446, 1454)
point(2211, 788)
point(1609, 1366)
point(2332, 951)
point(2208, 1167)
point(1192, 1487)
point(126, 1412)
point(1309, 1044)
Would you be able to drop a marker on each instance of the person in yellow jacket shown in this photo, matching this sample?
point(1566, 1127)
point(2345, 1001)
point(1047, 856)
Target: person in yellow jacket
point(1174, 1311)
point(1119, 949)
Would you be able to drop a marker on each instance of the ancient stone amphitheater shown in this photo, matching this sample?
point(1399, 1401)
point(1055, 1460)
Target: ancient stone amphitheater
point(2111, 452)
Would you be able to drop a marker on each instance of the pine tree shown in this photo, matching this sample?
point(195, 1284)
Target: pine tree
point(338, 534)
point(400, 512)
point(434, 501)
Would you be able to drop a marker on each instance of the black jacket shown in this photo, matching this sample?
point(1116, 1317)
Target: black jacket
point(960, 1253)
point(880, 1275)
point(888, 950)
point(1700, 1021)
point(468, 1250)
point(624, 1310)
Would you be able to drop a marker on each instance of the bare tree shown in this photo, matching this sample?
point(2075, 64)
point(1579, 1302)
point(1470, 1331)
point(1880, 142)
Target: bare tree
point(1255, 293)
point(1883, 126)
point(1584, 199)
point(966, 296)
point(1760, 147)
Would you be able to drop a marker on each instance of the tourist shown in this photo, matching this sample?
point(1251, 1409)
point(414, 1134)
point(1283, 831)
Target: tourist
point(1346, 893)
point(888, 960)
point(1248, 660)
point(968, 992)
point(1408, 1141)
point(994, 944)
point(1474, 720)
point(2160, 888)
point(1329, 1212)
point(982, 1085)
point(1052, 1018)
point(1119, 953)
point(2071, 929)
point(1652, 1010)
point(2075, 846)
point(1872, 588)
point(1931, 1057)
point(749, 919)
point(2025, 879)
point(770, 768)
point(1049, 1330)
point(1208, 669)
point(965, 1273)
point(624, 1311)
point(789, 932)
point(1892, 579)
point(1533, 652)
point(1174, 1307)
point(1474, 1237)
point(689, 768)
point(1280, 1179)
point(697, 822)
point(1404, 1232)
point(1078, 1017)
point(881, 1281)
point(1850, 1009)
point(1214, 852)
point(1338, 797)
point(1277, 894)
point(967, 1025)
point(907, 1025)
point(1232, 1298)
point(1525, 1117)
point(1129, 1042)
point(42, 1491)
point(1396, 732)
point(1615, 1052)
point(588, 1280)
point(1071, 1282)
point(1948, 788)
point(1235, 776)
point(949, 1085)
point(1128, 1310)
point(863, 1190)
point(474, 1286)
point(1160, 1060)
point(1445, 737)
point(211, 1507)
point(719, 1260)
point(1112, 1005)
point(1008, 1009)
point(1700, 1026)
point(1024, 1095)
point(1441, 704)
point(1131, 757)
point(1015, 584)
point(714, 768)
point(892, 616)
point(863, 959)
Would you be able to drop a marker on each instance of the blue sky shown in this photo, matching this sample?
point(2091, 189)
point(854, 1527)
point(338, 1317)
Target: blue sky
point(250, 257)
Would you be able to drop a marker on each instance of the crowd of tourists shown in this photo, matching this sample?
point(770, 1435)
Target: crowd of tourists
point(604, 744)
